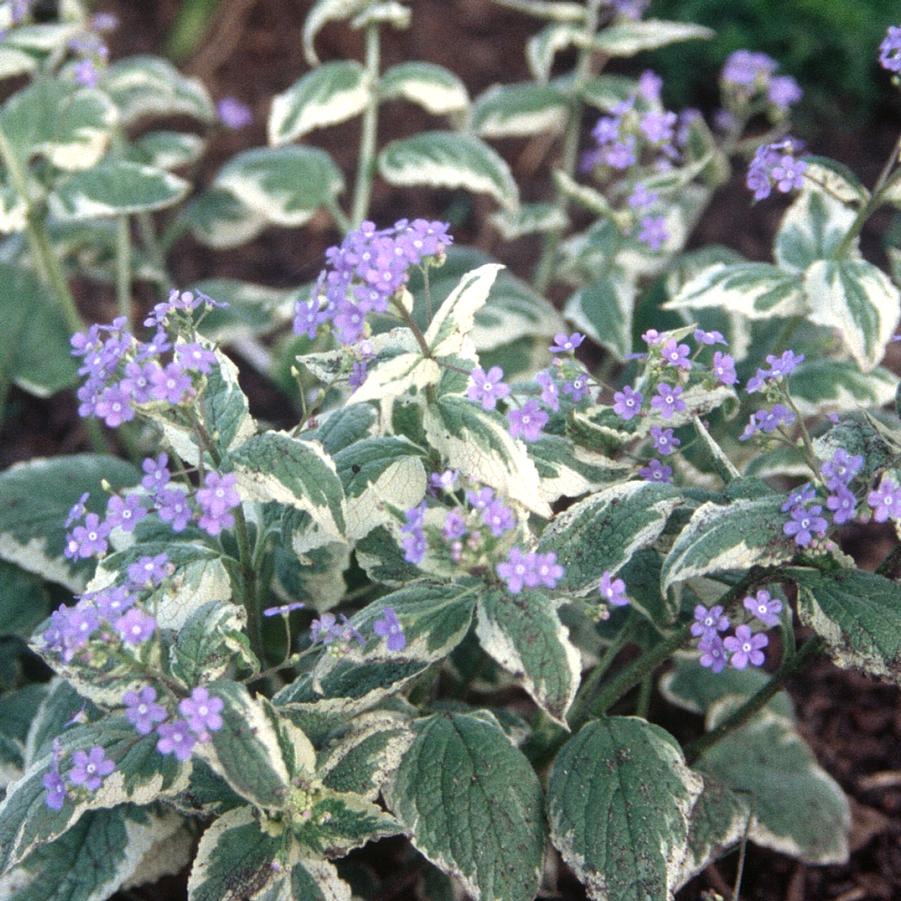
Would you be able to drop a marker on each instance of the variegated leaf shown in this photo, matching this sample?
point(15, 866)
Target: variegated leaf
point(395, 376)
point(604, 92)
point(436, 89)
point(455, 318)
point(553, 10)
point(603, 311)
point(628, 38)
point(811, 229)
point(529, 219)
point(218, 219)
point(835, 179)
point(519, 110)
point(567, 470)
point(167, 149)
point(323, 12)
point(836, 386)
point(542, 48)
point(209, 643)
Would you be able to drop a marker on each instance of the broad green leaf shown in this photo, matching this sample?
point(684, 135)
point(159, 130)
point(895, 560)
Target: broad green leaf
point(40, 38)
point(567, 470)
point(246, 751)
point(208, 643)
point(314, 879)
point(51, 118)
point(604, 92)
point(811, 229)
point(13, 211)
point(343, 426)
point(529, 219)
point(18, 711)
point(323, 12)
point(835, 179)
point(394, 376)
point(738, 535)
point(858, 613)
point(619, 803)
point(378, 474)
point(542, 48)
point(90, 861)
point(16, 62)
point(142, 775)
point(471, 803)
point(864, 435)
point(150, 87)
point(273, 466)
point(754, 290)
point(553, 10)
point(525, 636)
point(603, 311)
point(55, 710)
point(585, 196)
point(859, 301)
point(283, 185)
point(35, 498)
point(235, 858)
point(436, 89)
point(798, 808)
point(829, 386)
point(34, 342)
point(218, 219)
point(327, 95)
point(167, 149)
point(116, 188)
point(435, 618)
point(443, 159)
point(603, 531)
point(476, 442)
point(252, 309)
point(455, 318)
point(628, 38)
point(24, 600)
point(519, 110)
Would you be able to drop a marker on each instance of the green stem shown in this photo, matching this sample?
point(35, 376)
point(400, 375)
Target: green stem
point(545, 269)
point(792, 665)
point(644, 697)
point(123, 269)
point(152, 245)
point(369, 135)
point(407, 319)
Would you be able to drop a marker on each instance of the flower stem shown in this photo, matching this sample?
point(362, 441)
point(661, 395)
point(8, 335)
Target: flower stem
point(369, 135)
point(123, 269)
point(407, 319)
point(794, 664)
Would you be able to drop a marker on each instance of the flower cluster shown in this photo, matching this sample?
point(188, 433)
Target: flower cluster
point(745, 646)
point(529, 570)
point(749, 77)
point(775, 165)
point(339, 633)
point(233, 114)
point(88, 771)
point(365, 272)
point(890, 49)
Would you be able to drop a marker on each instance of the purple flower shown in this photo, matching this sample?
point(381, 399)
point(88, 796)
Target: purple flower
point(308, 317)
point(90, 768)
point(138, 381)
point(518, 571)
point(767, 421)
point(745, 648)
point(195, 357)
point(650, 84)
point(805, 522)
point(746, 68)
point(85, 73)
point(668, 400)
point(709, 338)
point(444, 481)
point(327, 629)
point(658, 126)
point(655, 471)
point(565, 344)
point(550, 396)
point(454, 525)
point(87, 540)
point(885, 500)
point(613, 591)
point(890, 49)
point(498, 518)
point(173, 507)
point(104, 21)
point(216, 499)
point(481, 499)
point(135, 626)
point(627, 402)
point(724, 368)
point(142, 711)
point(653, 232)
point(284, 609)
point(709, 622)
point(665, 442)
point(577, 389)
point(148, 572)
point(202, 712)
point(156, 473)
point(547, 569)
point(528, 421)
point(171, 384)
point(840, 469)
point(55, 788)
point(784, 91)
point(113, 601)
point(233, 114)
point(775, 164)
point(641, 198)
point(77, 510)
point(487, 388)
point(176, 738)
point(764, 607)
point(713, 653)
point(125, 512)
point(843, 505)
point(801, 496)
point(651, 337)
point(114, 407)
point(785, 364)
point(631, 9)
point(388, 626)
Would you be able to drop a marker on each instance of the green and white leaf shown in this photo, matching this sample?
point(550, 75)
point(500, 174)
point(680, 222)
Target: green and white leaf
point(721, 537)
point(209, 643)
point(553, 10)
point(754, 290)
point(283, 185)
point(799, 809)
point(252, 309)
point(620, 798)
point(603, 531)
point(858, 613)
point(834, 179)
point(584, 195)
point(603, 311)
point(35, 498)
point(529, 219)
point(568, 470)
point(542, 48)
point(167, 149)
point(13, 211)
point(436, 89)
point(476, 442)
point(827, 386)
point(219, 220)
point(150, 87)
point(628, 38)
point(455, 318)
point(811, 229)
point(379, 474)
point(859, 301)
point(604, 92)
point(472, 804)
point(273, 466)
point(329, 94)
point(395, 376)
point(524, 635)
point(15, 62)
point(519, 110)
point(443, 159)
point(383, 12)
point(116, 188)
point(323, 12)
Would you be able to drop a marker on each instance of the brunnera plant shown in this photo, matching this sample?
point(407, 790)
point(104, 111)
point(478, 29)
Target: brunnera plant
point(403, 615)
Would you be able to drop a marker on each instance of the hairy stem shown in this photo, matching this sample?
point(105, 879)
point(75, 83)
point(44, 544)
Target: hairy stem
point(407, 320)
point(369, 135)
point(123, 269)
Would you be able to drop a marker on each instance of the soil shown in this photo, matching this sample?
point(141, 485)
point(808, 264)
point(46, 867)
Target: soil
point(253, 51)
